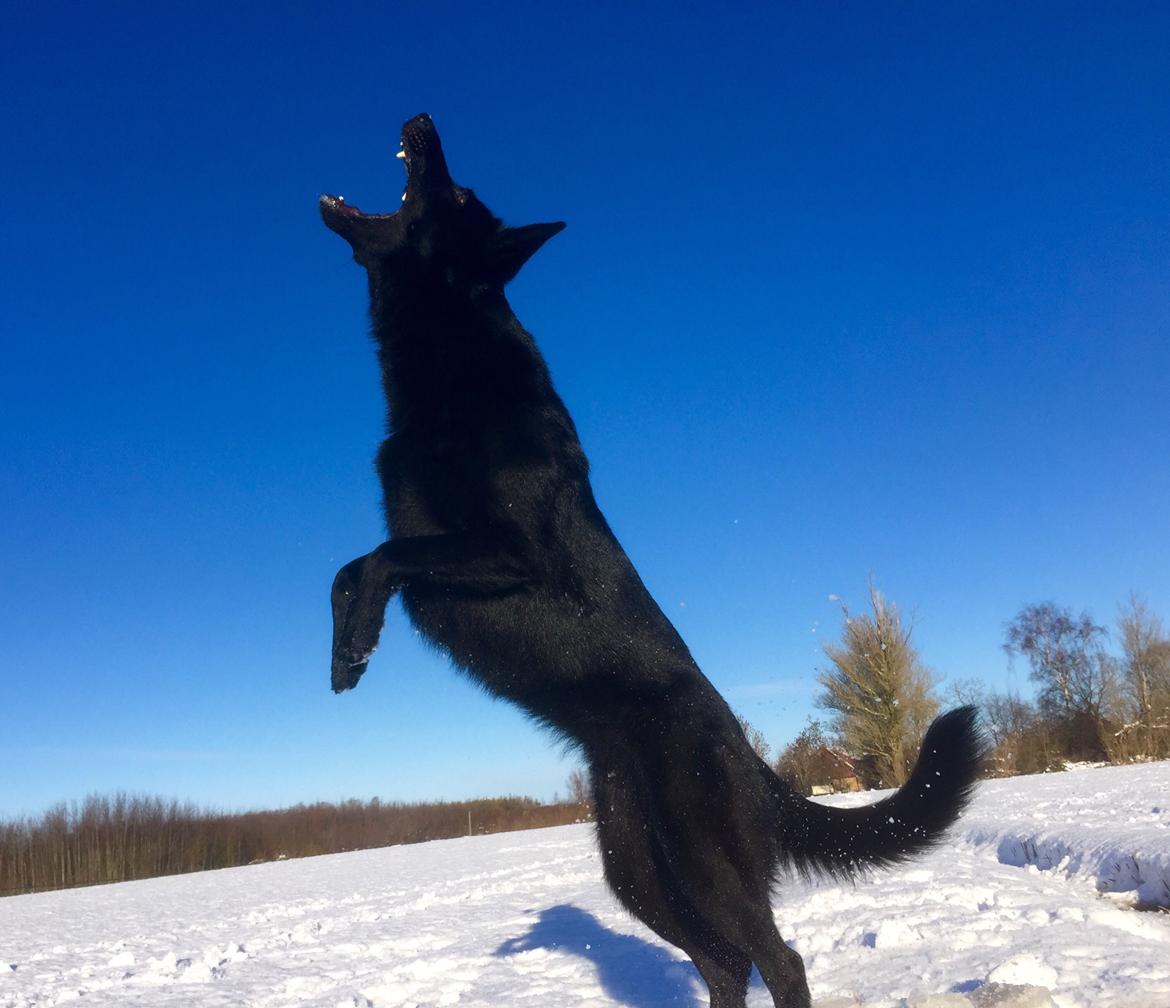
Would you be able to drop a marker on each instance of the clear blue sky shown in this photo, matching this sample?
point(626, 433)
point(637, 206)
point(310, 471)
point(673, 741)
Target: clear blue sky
point(847, 290)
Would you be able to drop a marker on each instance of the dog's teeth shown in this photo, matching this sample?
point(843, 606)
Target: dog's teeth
point(401, 154)
point(404, 196)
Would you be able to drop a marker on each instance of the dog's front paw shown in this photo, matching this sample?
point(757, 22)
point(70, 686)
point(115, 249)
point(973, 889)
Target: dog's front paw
point(352, 644)
point(346, 673)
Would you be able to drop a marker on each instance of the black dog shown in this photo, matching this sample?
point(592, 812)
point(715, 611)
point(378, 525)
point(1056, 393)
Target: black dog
point(504, 560)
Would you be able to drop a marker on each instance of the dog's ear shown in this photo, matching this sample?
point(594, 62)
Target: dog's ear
point(513, 247)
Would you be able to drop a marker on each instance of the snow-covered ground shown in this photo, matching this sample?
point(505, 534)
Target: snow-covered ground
point(1033, 889)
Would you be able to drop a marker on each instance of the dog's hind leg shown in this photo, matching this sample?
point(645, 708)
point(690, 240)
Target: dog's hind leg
point(739, 912)
point(781, 967)
point(637, 872)
point(714, 817)
point(738, 909)
point(734, 897)
point(726, 980)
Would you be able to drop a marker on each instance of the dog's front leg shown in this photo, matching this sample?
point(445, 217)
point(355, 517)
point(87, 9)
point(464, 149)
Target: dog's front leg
point(359, 607)
point(478, 562)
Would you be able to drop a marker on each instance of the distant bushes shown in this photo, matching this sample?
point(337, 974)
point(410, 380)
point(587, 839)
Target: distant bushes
point(1091, 704)
point(123, 837)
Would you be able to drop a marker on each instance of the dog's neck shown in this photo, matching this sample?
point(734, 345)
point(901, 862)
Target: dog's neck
point(445, 358)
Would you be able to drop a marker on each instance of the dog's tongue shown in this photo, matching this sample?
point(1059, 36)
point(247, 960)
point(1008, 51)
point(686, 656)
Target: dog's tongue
point(426, 168)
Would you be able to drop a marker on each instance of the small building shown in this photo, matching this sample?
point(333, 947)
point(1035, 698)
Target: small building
point(831, 771)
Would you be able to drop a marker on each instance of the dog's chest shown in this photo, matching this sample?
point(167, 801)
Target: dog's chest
point(455, 478)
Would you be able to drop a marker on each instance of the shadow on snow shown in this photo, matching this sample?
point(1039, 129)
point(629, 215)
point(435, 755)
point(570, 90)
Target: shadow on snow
point(630, 970)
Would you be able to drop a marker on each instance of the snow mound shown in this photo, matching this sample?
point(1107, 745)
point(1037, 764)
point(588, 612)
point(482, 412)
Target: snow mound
point(993, 995)
point(1104, 825)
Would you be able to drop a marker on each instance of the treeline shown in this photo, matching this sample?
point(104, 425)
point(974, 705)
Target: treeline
point(124, 837)
point(1101, 695)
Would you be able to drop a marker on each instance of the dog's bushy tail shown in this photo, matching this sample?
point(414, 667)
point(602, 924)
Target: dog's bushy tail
point(815, 838)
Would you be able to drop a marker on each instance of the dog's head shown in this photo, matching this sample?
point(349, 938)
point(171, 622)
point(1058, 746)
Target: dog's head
point(442, 235)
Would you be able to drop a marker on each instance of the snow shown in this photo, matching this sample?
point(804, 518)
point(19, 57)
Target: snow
point(1110, 825)
point(1027, 905)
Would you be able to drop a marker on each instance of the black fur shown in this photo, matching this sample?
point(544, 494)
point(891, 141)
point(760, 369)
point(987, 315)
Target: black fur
point(503, 559)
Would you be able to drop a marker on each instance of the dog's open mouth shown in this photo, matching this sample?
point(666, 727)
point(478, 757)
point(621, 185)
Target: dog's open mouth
point(337, 205)
point(426, 169)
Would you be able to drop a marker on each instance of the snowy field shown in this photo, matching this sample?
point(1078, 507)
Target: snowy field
point(1036, 888)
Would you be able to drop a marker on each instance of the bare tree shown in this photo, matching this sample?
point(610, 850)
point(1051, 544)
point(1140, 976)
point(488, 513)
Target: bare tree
point(798, 761)
point(1077, 679)
point(1021, 739)
point(879, 690)
point(755, 738)
point(1145, 669)
point(967, 692)
point(580, 791)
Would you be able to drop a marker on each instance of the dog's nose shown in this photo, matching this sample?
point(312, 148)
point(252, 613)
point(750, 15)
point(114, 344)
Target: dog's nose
point(426, 167)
